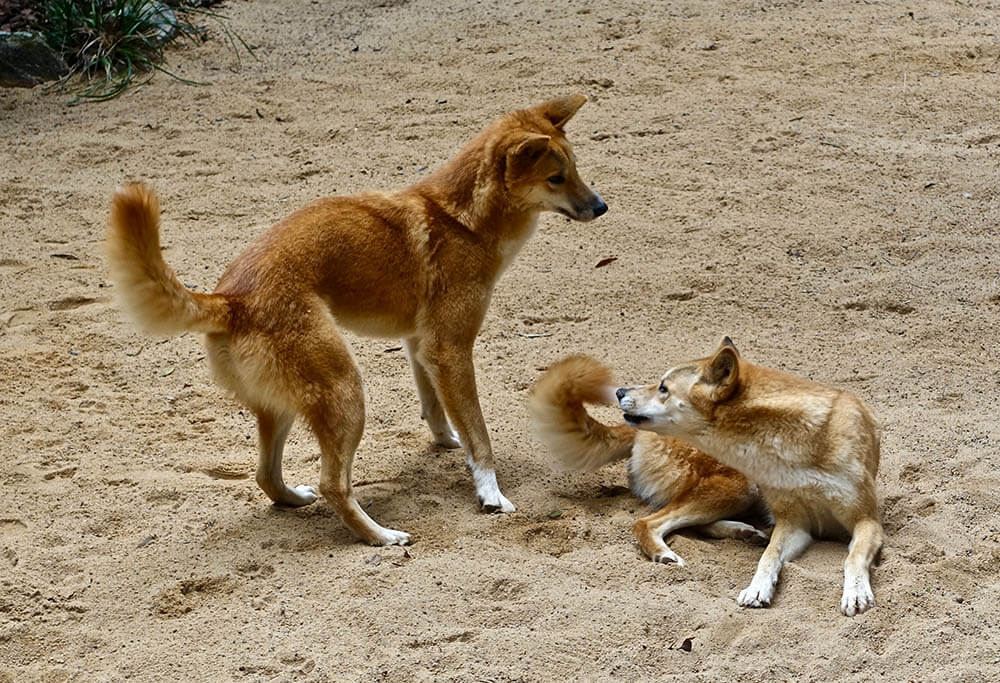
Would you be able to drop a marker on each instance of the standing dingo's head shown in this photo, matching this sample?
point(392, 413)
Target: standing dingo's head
point(540, 171)
point(683, 401)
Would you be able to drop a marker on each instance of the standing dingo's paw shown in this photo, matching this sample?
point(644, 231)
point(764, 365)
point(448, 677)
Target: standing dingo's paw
point(296, 497)
point(447, 438)
point(391, 537)
point(496, 503)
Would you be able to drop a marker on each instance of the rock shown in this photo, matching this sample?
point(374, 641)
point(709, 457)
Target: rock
point(165, 20)
point(26, 60)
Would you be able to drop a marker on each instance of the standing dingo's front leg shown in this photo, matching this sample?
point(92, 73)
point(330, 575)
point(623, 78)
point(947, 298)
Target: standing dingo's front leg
point(453, 375)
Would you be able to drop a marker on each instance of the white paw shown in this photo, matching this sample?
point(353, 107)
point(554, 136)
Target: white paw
point(487, 490)
point(447, 438)
point(858, 598)
point(755, 595)
point(307, 494)
point(496, 502)
point(391, 537)
point(752, 535)
point(667, 556)
point(296, 497)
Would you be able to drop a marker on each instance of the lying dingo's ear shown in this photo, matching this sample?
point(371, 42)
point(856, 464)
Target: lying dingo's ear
point(723, 371)
point(561, 109)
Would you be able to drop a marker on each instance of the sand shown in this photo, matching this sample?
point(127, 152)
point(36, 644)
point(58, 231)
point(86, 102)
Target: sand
point(817, 180)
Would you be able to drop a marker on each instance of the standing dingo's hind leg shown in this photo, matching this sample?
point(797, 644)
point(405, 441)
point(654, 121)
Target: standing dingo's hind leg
point(336, 414)
point(313, 367)
point(272, 430)
point(430, 407)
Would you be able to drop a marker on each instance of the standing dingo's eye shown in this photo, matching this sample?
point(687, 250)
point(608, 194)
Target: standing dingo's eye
point(557, 179)
point(663, 389)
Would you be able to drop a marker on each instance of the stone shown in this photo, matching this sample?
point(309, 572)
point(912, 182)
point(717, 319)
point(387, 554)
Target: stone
point(26, 60)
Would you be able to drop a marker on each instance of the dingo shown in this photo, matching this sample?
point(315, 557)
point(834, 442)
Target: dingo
point(419, 263)
point(689, 488)
point(811, 449)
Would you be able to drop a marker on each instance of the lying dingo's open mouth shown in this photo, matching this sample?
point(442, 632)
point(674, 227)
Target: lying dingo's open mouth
point(634, 419)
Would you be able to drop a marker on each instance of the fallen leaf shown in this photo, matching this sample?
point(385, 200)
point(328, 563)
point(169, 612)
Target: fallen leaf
point(605, 261)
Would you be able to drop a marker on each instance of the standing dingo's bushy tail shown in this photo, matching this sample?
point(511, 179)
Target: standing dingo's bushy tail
point(147, 287)
point(562, 423)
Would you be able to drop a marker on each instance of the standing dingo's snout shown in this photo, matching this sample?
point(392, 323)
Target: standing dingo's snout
point(582, 205)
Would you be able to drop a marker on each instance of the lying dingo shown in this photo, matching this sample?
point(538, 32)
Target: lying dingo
point(813, 451)
point(688, 488)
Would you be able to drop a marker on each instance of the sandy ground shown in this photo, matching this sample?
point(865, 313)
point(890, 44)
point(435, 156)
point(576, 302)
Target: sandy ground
point(818, 180)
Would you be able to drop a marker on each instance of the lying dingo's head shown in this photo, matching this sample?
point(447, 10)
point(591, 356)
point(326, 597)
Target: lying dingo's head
point(682, 402)
point(540, 169)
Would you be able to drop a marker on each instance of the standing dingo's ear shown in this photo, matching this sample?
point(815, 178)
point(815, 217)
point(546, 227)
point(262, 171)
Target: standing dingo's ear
point(723, 371)
point(561, 109)
point(530, 149)
point(726, 341)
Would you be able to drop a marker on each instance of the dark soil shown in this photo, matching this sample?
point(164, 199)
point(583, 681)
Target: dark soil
point(19, 15)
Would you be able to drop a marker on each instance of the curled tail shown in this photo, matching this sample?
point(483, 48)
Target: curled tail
point(562, 423)
point(148, 289)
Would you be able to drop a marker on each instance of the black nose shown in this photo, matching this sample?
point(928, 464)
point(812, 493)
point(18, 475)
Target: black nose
point(600, 209)
point(621, 392)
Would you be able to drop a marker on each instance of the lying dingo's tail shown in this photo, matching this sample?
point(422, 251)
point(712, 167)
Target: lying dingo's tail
point(561, 422)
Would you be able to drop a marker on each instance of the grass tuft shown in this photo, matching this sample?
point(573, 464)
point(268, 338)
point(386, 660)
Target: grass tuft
point(112, 44)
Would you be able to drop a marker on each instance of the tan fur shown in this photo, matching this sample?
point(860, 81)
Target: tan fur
point(689, 488)
point(813, 451)
point(149, 290)
point(419, 263)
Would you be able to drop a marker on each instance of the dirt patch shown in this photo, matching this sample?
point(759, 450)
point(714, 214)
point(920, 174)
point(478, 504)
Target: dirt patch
point(816, 180)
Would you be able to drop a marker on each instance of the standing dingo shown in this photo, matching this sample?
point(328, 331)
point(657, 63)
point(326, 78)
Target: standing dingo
point(418, 264)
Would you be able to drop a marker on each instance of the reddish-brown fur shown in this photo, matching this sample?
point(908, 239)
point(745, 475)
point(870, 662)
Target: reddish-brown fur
point(419, 263)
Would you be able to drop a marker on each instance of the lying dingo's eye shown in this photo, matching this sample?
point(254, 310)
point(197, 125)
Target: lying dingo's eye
point(557, 179)
point(663, 389)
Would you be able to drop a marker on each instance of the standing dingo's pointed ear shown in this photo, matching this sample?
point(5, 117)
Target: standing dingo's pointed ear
point(561, 109)
point(726, 341)
point(530, 148)
point(723, 371)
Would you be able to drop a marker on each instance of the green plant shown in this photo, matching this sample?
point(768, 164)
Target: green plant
point(111, 43)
